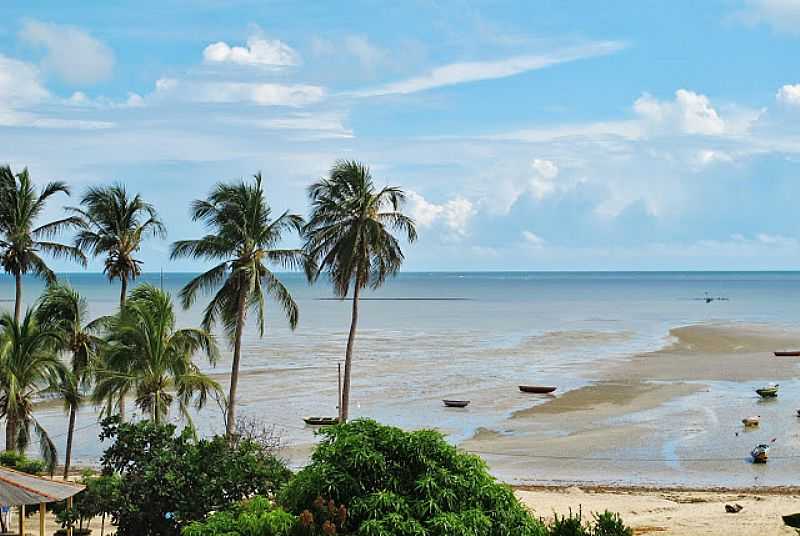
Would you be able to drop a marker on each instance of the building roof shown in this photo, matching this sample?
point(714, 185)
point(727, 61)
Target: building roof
point(21, 488)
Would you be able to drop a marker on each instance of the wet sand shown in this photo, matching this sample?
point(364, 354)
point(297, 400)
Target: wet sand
point(673, 512)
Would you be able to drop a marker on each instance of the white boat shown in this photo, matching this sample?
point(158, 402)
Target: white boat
point(751, 421)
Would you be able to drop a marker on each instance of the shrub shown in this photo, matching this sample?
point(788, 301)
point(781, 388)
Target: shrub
point(610, 524)
point(100, 497)
point(406, 484)
point(249, 518)
point(571, 525)
point(170, 480)
point(20, 462)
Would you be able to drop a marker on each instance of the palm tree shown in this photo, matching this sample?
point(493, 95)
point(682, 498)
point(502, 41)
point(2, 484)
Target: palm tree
point(21, 240)
point(113, 225)
point(147, 354)
point(64, 310)
point(349, 237)
point(242, 238)
point(29, 367)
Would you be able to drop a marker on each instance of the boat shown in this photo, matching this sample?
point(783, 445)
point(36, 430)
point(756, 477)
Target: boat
point(787, 353)
point(792, 520)
point(798, 412)
point(456, 403)
point(321, 421)
point(538, 389)
point(751, 421)
point(769, 391)
point(759, 453)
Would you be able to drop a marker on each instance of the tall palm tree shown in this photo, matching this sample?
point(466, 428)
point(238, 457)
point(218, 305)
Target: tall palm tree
point(348, 235)
point(243, 238)
point(113, 225)
point(21, 239)
point(29, 367)
point(63, 310)
point(146, 353)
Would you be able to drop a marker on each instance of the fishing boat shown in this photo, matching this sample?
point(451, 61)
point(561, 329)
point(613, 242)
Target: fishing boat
point(788, 353)
point(537, 389)
point(456, 403)
point(321, 421)
point(768, 391)
point(751, 421)
point(792, 520)
point(760, 453)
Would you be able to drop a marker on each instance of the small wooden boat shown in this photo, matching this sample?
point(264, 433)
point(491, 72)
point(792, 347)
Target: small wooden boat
point(751, 421)
point(321, 421)
point(788, 353)
point(792, 520)
point(798, 412)
point(456, 403)
point(760, 453)
point(537, 389)
point(769, 391)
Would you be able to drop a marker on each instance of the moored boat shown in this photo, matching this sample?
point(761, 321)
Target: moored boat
point(752, 421)
point(760, 453)
point(537, 389)
point(456, 403)
point(768, 391)
point(788, 353)
point(321, 421)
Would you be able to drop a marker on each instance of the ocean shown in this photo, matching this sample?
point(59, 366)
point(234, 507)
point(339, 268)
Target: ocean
point(425, 336)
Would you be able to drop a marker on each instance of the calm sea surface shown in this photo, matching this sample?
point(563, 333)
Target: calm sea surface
point(427, 336)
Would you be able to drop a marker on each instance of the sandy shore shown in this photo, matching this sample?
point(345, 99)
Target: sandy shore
point(678, 512)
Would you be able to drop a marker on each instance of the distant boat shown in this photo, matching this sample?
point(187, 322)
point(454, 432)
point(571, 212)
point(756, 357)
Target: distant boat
point(788, 353)
point(321, 421)
point(769, 391)
point(537, 389)
point(793, 520)
point(760, 453)
point(456, 403)
point(751, 421)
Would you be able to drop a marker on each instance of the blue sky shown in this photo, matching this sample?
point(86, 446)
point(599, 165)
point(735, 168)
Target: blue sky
point(529, 135)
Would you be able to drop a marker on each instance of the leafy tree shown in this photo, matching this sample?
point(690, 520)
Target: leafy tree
point(29, 366)
point(21, 239)
point(146, 353)
point(113, 225)
point(256, 516)
point(65, 311)
point(399, 483)
point(349, 237)
point(99, 498)
point(243, 239)
point(170, 480)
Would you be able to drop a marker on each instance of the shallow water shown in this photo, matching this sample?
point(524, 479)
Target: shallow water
point(492, 332)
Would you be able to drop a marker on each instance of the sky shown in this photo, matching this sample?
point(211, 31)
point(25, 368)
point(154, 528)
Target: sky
point(548, 135)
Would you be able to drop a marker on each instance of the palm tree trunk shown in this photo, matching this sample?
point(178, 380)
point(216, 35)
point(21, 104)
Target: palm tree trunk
point(230, 423)
point(11, 434)
point(344, 406)
point(123, 293)
point(70, 433)
point(18, 298)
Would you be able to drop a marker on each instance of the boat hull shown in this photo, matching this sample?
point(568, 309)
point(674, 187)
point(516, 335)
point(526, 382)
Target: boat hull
point(793, 353)
point(767, 393)
point(537, 389)
point(321, 421)
point(456, 403)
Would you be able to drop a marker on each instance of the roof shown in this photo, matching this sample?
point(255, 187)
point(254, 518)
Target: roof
point(21, 488)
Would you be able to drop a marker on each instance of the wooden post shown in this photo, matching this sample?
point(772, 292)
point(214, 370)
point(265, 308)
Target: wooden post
point(69, 506)
point(339, 385)
point(42, 509)
point(21, 519)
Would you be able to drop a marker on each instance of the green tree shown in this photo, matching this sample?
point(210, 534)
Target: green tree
point(147, 354)
point(113, 225)
point(21, 239)
point(63, 310)
point(29, 366)
point(243, 239)
point(349, 236)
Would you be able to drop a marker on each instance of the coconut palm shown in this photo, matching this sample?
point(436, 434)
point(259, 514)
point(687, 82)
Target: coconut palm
point(113, 226)
point(243, 239)
point(64, 310)
point(147, 354)
point(29, 367)
point(349, 237)
point(22, 241)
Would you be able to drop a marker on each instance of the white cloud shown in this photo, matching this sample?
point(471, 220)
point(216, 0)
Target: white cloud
point(314, 126)
point(781, 15)
point(690, 113)
point(542, 183)
point(789, 94)
point(74, 55)
point(262, 94)
point(472, 71)
point(532, 239)
point(258, 52)
point(705, 157)
point(455, 214)
point(367, 54)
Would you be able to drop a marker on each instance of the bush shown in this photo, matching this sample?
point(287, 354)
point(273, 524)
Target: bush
point(256, 516)
point(608, 524)
point(100, 497)
point(170, 480)
point(605, 524)
point(398, 483)
point(20, 462)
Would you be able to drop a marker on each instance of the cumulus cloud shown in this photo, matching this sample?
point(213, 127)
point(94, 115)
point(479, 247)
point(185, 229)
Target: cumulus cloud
point(690, 113)
point(472, 71)
point(542, 183)
point(74, 55)
point(789, 95)
point(781, 15)
point(454, 214)
point(258, 52)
